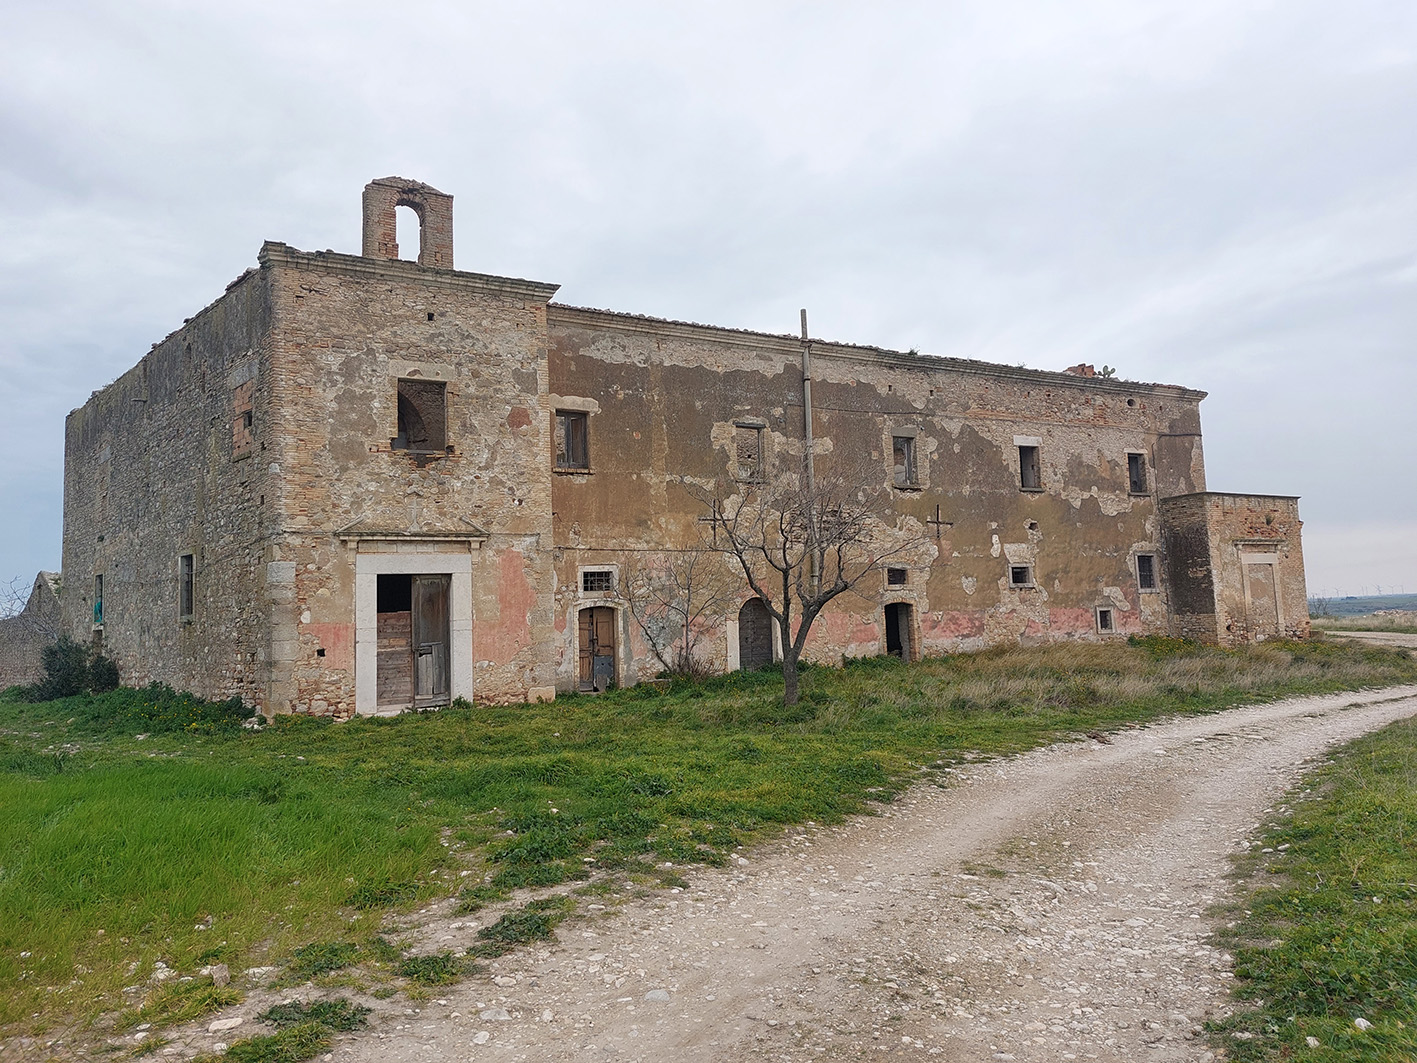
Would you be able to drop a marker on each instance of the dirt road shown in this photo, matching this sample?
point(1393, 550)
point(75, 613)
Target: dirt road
point(1050, 906)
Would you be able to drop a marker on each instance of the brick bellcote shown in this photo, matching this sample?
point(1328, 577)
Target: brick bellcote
point(384, 195)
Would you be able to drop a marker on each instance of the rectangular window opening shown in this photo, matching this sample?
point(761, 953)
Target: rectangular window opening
point(98, 599)
point(1146, 571)
point(1030, 472)
point(186, 585)
point(422, 417)
point(1020, 575)
point(1104, 620)
point(748, 451)
point(1136, 473)
point(598, 581)
point(895, 577)
point(572, 443)
point(903, 460)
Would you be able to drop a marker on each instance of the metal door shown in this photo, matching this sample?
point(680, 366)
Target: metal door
point(430, 641)
point(596, 636)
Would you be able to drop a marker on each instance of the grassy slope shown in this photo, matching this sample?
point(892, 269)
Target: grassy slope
point(115, 849)
point(1331, 931)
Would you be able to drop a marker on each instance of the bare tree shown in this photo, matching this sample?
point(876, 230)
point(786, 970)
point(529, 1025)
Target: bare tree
point(804, 540)
point(674, 599)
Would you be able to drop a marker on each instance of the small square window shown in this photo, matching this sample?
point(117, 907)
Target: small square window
point(1104, 620)
point(186, 585)
point(1020, 575)
point(597, 581)
point(423, 417)
point(1146, 571)
point(1030, 470)
point(572, 442)
point(1136, 473)
point(903, 461)
point(748, 451)
point(895, 577)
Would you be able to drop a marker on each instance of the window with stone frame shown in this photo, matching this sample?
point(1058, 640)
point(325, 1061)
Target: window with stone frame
point(1020, 575)
point(1104, 620)
point(422, 417)
point(748, 452)
point(598, 581)
point(1146, 572)
point(903, 472)
point(572, 439)
point(1030, 469)
point(896, 577)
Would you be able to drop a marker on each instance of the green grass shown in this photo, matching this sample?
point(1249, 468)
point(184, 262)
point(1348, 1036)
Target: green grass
point(114, 849)
point(1338, 625)
point(1331, 934)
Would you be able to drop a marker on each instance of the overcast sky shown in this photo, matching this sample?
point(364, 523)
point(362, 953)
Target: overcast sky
point(1216, 194)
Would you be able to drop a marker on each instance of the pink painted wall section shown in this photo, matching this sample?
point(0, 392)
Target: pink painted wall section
point(337, 640)
point(500, 641)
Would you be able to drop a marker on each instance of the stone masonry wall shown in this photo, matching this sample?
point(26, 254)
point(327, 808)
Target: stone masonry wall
point(1256, 525)
point(348, 329)
point(154, 469)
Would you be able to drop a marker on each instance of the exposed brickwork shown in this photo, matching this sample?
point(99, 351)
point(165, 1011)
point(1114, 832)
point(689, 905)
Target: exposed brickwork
point(435, 217)
point(1236, 567)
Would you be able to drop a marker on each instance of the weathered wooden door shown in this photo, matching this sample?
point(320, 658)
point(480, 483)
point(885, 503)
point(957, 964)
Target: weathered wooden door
point(1262, 601)
point(754, 635)
point(430, 641)
point(596, 639)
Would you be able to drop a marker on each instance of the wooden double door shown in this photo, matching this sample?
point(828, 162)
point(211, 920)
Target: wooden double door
point(414, 660)
point(595, 638)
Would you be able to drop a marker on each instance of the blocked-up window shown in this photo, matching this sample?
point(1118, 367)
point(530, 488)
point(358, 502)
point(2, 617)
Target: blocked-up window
point(598, 581)
point(423, 417)
point(572, 440)
point(1104, 620)
point(903, 461)
point(1146, 571)
point(98, 598)
point(243, 425)
point(748, 451)
point(1030, 469)
point(1020, 575)
point(1136, 473)
point(186, 585)
point(895, 577)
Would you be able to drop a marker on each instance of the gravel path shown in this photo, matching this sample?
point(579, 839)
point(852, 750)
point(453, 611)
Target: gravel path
point(1049, 906)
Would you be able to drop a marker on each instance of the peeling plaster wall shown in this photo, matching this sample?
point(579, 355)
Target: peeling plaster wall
point(1214, 541)
point(667, 397)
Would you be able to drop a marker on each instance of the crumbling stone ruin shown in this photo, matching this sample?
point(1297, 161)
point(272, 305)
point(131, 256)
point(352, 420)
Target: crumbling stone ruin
point(24, 635)
point(357, 484)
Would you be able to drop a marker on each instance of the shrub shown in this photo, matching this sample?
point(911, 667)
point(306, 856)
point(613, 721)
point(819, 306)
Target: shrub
point(71, 668)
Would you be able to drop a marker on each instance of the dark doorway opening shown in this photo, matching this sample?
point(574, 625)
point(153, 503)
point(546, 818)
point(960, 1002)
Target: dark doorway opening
point(754, 636)
point(413, 669)
point(596, 637)
point(898, 631)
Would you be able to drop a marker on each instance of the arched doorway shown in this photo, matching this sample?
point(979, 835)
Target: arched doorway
point(754, 635)
point(898, 631)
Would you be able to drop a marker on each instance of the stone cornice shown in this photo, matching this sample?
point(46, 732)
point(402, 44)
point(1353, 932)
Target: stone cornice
point(275, 253)
point(585, 317)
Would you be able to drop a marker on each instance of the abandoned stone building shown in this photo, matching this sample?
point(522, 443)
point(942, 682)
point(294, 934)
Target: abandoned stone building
point(357, 483)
